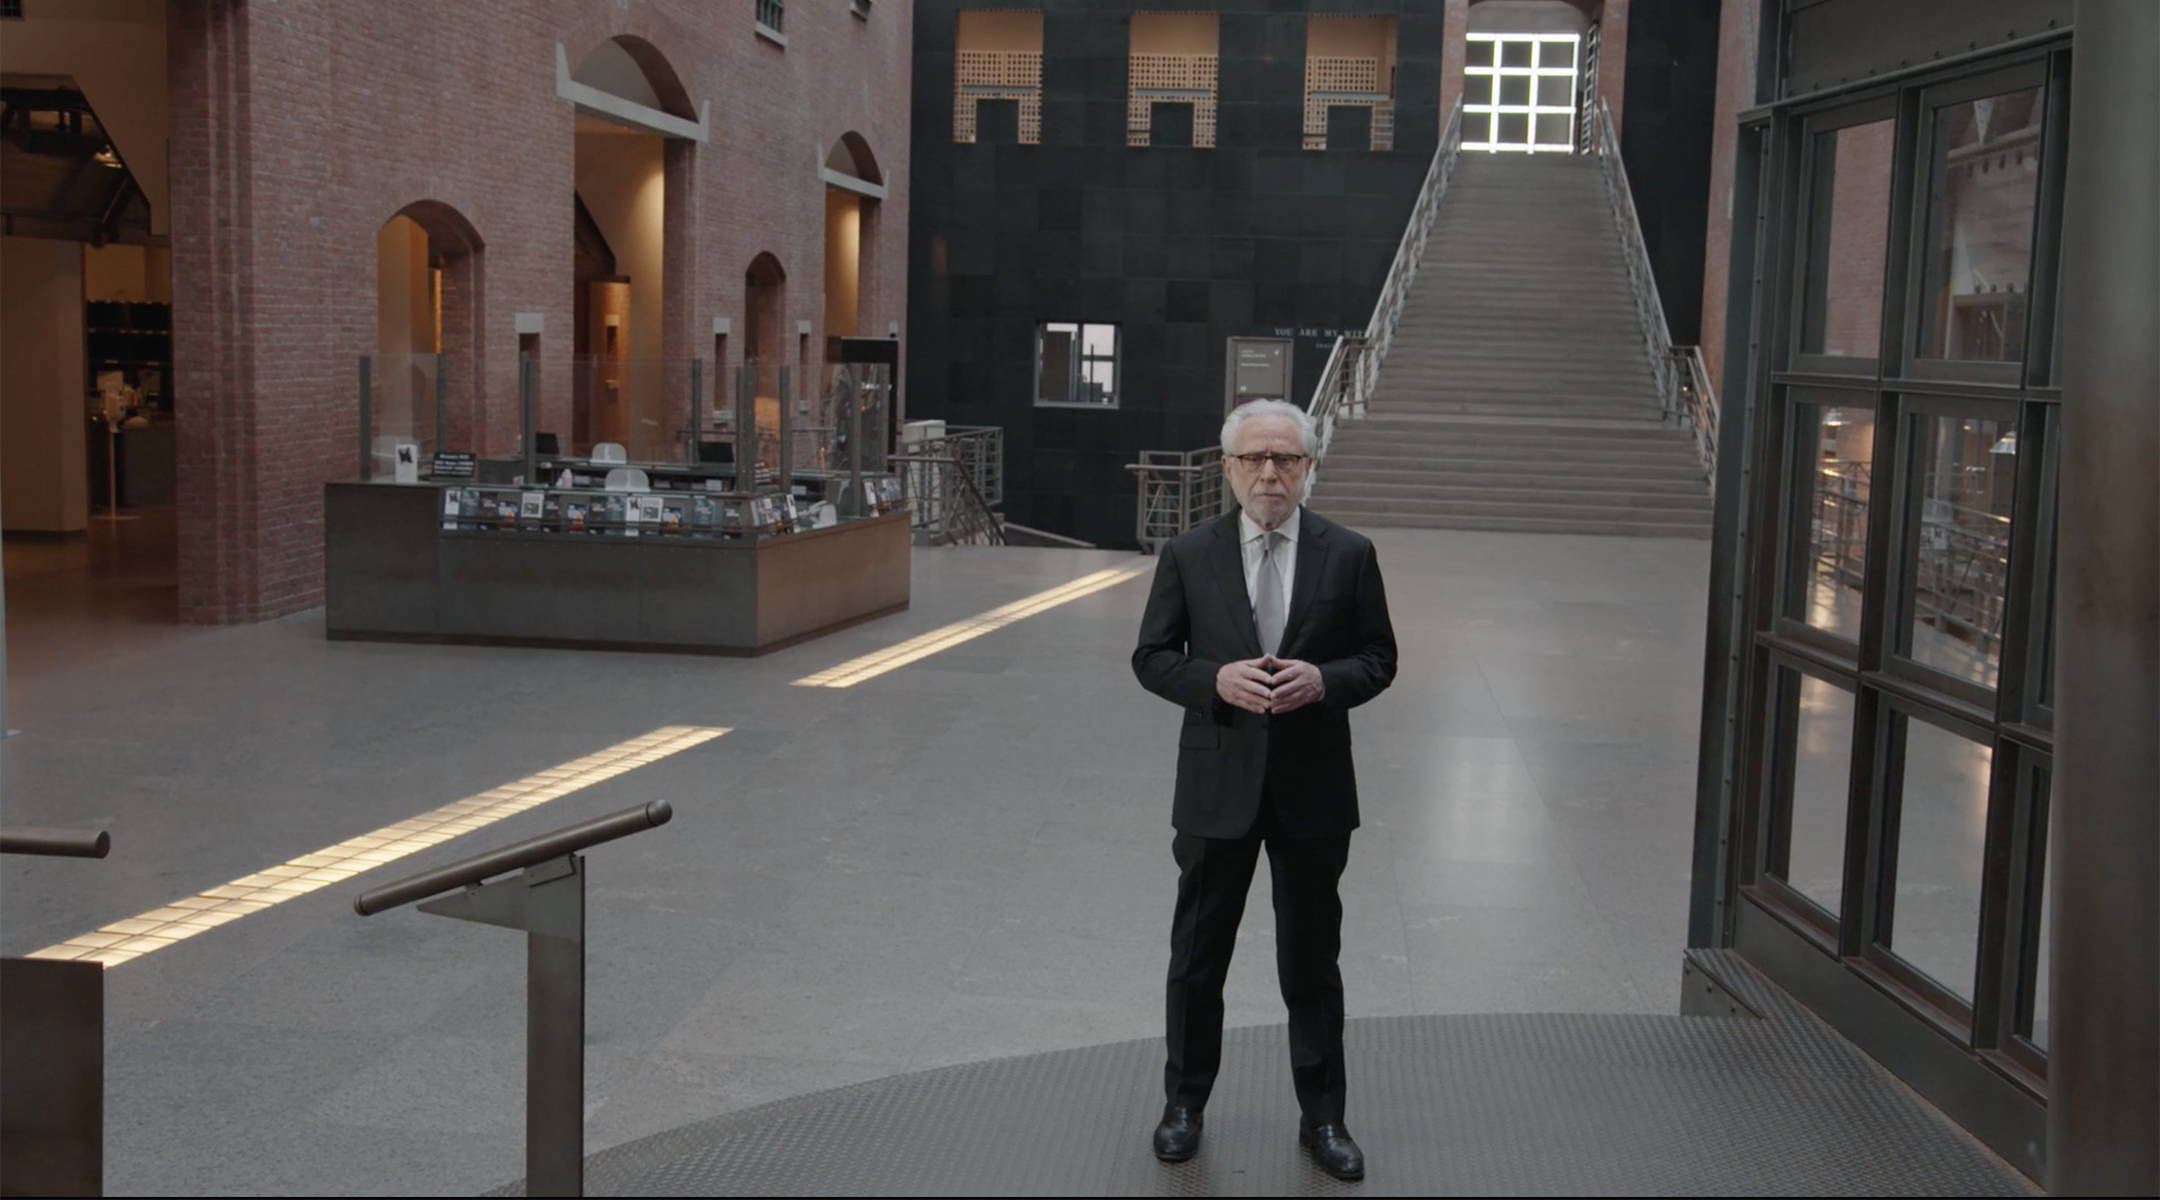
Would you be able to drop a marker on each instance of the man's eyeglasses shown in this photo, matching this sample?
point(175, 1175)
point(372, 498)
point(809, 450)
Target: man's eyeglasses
point(1284, 463)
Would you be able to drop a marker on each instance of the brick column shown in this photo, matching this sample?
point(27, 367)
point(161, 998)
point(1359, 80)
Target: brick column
point(1454, 23)
point(1732, 96)
point(208, 69)
point(1612, 58)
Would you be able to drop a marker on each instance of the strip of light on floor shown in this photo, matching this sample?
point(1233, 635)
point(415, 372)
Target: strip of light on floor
point(922, 646)
point(184, 918)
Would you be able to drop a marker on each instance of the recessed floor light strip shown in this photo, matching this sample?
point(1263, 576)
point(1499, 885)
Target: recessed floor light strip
point(922, 646)
point(184, 918)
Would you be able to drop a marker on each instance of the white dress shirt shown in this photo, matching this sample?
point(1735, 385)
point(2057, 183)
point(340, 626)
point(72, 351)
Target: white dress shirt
point(1254, 545)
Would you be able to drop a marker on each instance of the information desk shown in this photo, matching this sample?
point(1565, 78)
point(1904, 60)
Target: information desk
point(394, 572)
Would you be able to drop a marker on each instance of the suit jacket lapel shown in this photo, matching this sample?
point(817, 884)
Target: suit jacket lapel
point(1229, 572)
point(1311, 558)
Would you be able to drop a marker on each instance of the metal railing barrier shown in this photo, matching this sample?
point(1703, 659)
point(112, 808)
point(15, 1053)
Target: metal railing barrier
point(52, 1053)
point(1685, 394)
point(949, 507)
point(1178, 490)
point(547, 901)
point(1353, 367)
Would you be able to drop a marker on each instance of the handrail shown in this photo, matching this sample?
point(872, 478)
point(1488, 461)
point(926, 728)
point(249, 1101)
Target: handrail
point(56, 843)
point(1178, 490)
point(1698, 407)
point(959, 511)
point(1354, 365)
point(1685, 395)
point(568, 840)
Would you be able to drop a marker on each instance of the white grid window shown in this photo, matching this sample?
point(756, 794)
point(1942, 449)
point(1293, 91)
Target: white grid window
point(1519, 92)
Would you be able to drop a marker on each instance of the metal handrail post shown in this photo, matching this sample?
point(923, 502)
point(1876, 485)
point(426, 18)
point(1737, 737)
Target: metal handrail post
point(546, 900)
point(367, 418)
point(442, 402)
point(528, 386)
point(697, 412)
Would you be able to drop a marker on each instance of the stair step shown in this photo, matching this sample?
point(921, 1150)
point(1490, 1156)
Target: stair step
point(1382, 493)
point(1397, 421)
point(1360, 519)
point(1567, 508)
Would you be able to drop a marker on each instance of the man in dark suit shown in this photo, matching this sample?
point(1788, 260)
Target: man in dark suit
point(1267, 626)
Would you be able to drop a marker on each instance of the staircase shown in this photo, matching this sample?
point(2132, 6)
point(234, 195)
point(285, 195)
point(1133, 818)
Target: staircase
point(1517, 395)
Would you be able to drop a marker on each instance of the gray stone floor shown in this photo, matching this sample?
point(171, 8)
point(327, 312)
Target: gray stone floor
point(963, 859)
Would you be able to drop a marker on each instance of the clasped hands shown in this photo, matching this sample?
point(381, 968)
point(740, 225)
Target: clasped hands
point(1269, 684)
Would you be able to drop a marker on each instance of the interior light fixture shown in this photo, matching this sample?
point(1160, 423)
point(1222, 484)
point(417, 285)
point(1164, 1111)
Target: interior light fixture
point(2006, 444)
point(1834, 418)
point(106, 158)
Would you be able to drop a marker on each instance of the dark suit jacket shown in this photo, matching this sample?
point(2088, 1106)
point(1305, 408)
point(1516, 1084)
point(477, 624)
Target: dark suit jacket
point(1199, 616)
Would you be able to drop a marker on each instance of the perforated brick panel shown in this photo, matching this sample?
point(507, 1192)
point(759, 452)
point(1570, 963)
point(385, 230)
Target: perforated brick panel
point(997, 75)
point(1152, 77)
point(1503, 1104)
point(1330, 80)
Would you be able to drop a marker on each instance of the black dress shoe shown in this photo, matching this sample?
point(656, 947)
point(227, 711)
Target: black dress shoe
point(1332, 1148)
point(1178, 1137)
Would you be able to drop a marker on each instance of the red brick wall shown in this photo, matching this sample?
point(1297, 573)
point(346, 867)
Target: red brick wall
point(299, 127)
point(1734, 49)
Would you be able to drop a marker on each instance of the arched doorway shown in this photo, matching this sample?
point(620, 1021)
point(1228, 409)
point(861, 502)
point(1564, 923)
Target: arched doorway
point(428, 331)
point(629, 375)
point(854, 185)
point(764, 352)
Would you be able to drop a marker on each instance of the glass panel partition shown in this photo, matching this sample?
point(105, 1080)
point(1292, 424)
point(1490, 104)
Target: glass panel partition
point(1813, 863)
point(1848, 241)
point(1833, 479)
point(1939, 859)
point(1958, 558)
point(1983, 191)
point(404, 413)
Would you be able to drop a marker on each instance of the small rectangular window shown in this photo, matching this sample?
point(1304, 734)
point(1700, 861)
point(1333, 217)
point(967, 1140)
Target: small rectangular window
point(998, 57)
point(1076, 364)
point(772, 14)
point(11, 10)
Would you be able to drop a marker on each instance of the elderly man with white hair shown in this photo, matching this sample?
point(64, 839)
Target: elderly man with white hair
point(1267, 626)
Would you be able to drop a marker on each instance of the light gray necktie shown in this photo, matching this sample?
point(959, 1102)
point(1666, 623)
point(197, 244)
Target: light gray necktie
point(1268, 614)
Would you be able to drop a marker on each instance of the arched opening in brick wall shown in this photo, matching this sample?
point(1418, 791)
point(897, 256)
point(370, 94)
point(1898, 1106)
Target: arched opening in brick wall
point(629, 368)
point(765, 348)
point(428, 333)
point(854, 186)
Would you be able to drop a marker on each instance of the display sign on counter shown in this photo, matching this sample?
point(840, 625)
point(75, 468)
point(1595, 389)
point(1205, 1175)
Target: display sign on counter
point(453, 464)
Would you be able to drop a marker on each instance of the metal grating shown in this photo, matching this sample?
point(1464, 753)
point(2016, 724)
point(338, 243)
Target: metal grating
point(1483, 1104)
point(997, 75)
point(1330, 81)
point(1152, 77)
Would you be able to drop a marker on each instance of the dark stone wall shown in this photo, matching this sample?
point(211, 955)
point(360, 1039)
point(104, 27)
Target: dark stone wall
point(1182, 248)
point(1670, 113)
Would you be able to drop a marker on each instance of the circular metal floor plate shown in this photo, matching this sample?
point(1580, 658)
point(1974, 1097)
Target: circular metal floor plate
point(1487, 1104)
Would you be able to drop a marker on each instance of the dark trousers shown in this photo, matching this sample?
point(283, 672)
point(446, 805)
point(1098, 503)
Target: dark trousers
point(1214, 876)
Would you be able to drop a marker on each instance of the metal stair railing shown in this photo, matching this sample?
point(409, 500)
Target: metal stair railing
point(1353, 367)
point(1685, 395)
point(1179, 489)
point(949, 507)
